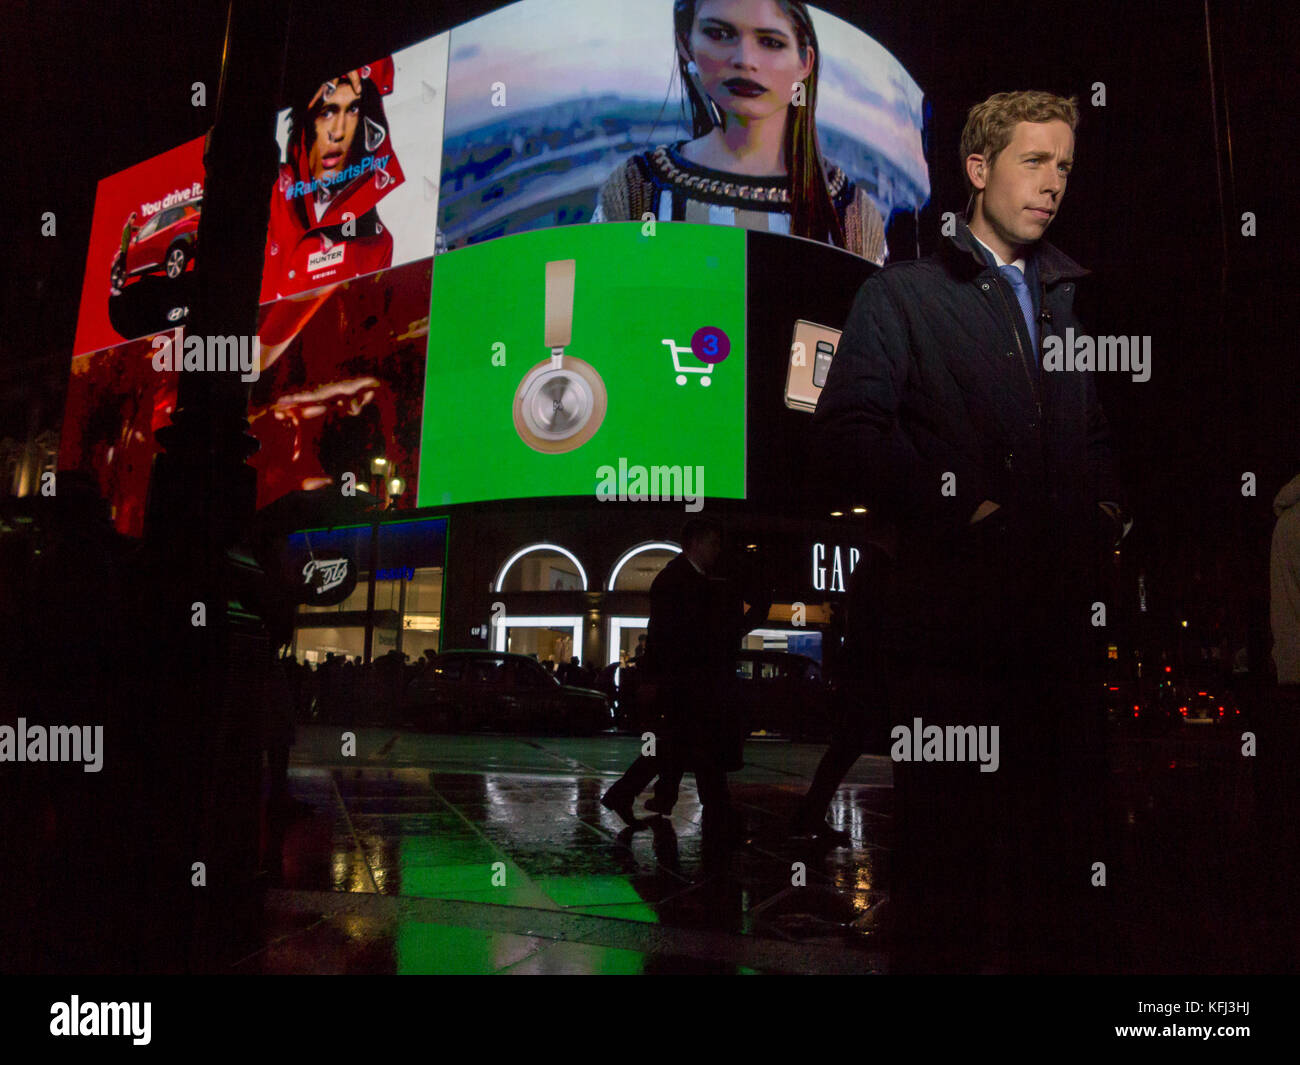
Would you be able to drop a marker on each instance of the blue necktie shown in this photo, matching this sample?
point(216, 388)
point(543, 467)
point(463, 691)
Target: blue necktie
point(1017, 282)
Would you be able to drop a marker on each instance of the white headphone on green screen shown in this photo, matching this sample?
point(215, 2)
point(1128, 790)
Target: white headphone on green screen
point(561, 401)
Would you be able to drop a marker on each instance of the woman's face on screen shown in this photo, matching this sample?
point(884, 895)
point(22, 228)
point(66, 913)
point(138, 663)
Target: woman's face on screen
point(748, 55)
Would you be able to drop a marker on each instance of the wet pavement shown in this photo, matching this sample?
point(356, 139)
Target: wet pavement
point(492, 854)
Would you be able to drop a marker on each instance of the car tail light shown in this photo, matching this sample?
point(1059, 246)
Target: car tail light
point(1183, 710)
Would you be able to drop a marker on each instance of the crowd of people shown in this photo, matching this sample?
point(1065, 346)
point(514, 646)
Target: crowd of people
point(342, 689)
point(339, 689)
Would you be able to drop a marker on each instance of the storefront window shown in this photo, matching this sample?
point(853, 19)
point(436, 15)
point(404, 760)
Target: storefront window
point(634, 571)
point(408, 582)
point(543, 643)
point(422, 612)
point(315, 645)
point(625, 633)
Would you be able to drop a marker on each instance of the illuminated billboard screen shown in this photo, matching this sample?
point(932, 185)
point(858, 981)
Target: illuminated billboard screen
point(571, 111)
point(357, 192)
point(799, 298)
point(116, 402)
point(357, 189)
point(432, 294)
point(344, 391)
point(558, 356)
point(143, 237)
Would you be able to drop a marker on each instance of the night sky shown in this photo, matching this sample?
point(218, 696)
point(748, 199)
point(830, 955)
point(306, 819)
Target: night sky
point(94, 88)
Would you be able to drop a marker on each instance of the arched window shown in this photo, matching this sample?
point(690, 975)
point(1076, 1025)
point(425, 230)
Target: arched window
point(637, 567)
point(542, 568)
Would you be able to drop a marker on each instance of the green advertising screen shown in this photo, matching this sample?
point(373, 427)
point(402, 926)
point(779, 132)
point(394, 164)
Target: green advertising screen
point(587, 360)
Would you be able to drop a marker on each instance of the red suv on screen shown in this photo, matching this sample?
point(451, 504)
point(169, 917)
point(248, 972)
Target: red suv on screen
point(163, 245)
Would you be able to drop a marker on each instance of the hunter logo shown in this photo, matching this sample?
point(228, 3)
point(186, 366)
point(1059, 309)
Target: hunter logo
point(322, 259)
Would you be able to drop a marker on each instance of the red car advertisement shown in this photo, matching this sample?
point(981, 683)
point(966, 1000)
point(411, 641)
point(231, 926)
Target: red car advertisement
point(345, 391)
point(143, 241)
point(357, 192)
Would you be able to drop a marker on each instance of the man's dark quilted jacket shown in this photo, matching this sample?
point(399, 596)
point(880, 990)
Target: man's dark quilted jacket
point(934, 375)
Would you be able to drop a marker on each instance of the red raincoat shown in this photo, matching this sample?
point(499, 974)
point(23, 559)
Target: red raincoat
point(305, 251)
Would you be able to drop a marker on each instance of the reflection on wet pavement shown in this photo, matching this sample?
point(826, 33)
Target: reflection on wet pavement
point(523, 831)
point(493, 855)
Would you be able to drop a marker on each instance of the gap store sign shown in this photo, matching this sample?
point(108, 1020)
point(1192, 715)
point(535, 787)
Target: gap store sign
point(831, 565)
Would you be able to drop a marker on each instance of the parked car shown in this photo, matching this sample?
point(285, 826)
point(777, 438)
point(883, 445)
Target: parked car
point(783, 693)
point(163, 245)
point(1202, 707)
point(471, 690)
point(1119, 709)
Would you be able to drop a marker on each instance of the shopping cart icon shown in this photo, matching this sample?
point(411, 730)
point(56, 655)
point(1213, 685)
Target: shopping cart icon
point(678, 351)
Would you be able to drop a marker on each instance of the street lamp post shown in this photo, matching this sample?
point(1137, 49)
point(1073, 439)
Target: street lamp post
point(209, 652)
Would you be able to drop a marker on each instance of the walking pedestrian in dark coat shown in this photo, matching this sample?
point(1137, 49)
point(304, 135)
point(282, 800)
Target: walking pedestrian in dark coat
point(690, 660)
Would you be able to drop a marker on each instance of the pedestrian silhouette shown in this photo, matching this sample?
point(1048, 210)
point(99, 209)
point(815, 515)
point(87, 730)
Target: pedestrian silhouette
point(694, 632)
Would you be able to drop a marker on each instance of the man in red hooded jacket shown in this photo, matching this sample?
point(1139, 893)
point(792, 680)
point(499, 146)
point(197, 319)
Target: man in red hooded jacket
point(324, 226)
